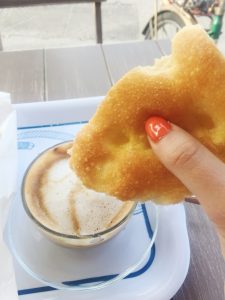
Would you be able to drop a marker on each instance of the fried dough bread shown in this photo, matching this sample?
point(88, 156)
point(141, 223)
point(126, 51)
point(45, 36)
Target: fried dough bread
point(111, 153)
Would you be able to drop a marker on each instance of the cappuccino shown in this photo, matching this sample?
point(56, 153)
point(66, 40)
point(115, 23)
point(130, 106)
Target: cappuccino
point(55, 197)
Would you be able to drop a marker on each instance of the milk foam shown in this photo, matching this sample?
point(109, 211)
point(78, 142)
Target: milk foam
point(71, 208)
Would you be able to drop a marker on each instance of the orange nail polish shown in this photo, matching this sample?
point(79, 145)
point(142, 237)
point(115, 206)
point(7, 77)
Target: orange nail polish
point(157, 128)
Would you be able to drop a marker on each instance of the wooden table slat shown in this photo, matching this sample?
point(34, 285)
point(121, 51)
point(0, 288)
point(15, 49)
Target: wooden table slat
point(121, 58)
point(205, 278)
point(75, 72)
point(165, 46)
point(22, 75)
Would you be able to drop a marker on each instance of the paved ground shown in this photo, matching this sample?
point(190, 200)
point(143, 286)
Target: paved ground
point(69, 25)
point(62, 25)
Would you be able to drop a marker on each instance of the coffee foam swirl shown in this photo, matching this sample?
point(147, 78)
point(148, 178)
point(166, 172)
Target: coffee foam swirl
point(57, 198)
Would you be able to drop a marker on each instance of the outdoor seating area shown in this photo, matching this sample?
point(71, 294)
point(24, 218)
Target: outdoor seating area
point(51, 74)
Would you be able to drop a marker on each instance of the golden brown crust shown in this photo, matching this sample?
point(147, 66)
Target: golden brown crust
point(111, 153)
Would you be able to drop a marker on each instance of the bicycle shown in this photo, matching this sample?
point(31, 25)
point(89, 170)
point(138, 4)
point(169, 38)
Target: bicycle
point(175, 14)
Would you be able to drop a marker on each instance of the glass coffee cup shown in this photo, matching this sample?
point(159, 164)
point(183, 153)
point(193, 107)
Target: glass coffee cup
point(69, 262)
point(63, 209)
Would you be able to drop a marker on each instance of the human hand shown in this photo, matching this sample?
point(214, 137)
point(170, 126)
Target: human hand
point(196, 167)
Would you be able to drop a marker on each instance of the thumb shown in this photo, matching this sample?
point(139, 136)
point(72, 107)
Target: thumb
point(199, 170)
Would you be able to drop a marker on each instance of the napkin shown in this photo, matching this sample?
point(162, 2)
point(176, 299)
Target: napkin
point(8, 176)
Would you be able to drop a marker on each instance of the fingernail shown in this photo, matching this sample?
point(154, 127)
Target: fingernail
point(157, 128)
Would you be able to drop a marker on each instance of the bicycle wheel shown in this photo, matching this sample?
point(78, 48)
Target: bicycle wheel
point(168, 24)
